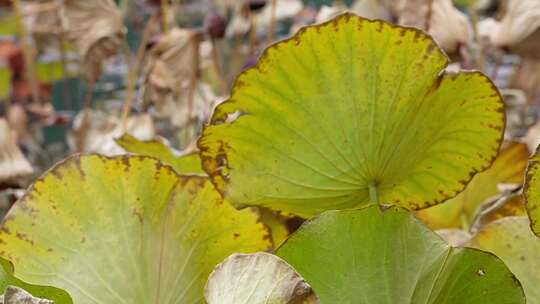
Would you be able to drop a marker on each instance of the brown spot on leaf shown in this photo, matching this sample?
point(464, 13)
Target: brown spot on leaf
point(24, 237)
point(138, 214)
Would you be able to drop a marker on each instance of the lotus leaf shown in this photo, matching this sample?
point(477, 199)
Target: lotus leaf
point(124, 230)
point(348, 112)
point(375, 255)
point(511, 240)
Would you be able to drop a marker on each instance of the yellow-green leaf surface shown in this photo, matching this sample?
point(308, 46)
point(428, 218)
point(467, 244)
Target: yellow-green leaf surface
point(352, 111)
point(5, 82)
point(8, 25)
point(508, 167)
point(45, 292)
point(276, 225)
point(191, 164)
point(532, 192)
point(512, 240)
point(370, 255)
point(185, 164)
point(49, 72)
point(124, 230)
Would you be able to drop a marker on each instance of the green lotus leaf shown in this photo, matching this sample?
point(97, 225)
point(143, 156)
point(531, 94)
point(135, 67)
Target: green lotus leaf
point(259, 278)
point(509, 168)
point(49, 71)
point(8, 25)
point(185, 164)
point(511, 240)
point(7, 279)
point(388, 256)
point(531, 192)
point(124, 230)
point(349, 112)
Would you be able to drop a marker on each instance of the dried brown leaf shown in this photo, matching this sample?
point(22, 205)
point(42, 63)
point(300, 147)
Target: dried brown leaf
point(257, 279)
point(95, 131)
point(13, 164)
point(171, 79)
point(95, 28)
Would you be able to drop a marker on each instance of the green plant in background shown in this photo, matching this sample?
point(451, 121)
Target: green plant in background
point(5, 82)
point(8, 25)
point(349, 112)
point(124, 230)
point(46, 72)
point(50, 71)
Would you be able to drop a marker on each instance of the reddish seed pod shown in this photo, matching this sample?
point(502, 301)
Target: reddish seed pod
point(215, 25)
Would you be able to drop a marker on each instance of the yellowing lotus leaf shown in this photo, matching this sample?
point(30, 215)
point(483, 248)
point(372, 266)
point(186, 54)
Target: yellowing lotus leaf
point(257, 278)
point(386, 256)
point(509, 167)
point(189, 162)
point(511, 240)
point(185, 163)
point(276, 224)
point(532, 192)
point(349, 112)
point(124, 230)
